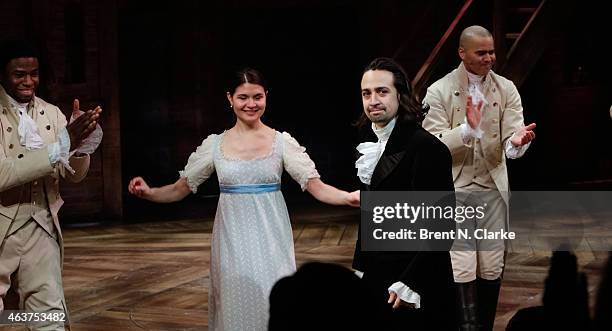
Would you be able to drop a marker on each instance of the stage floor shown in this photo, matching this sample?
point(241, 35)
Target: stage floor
point(155, 276)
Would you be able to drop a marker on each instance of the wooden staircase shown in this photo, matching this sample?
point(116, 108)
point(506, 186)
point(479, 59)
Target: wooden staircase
point(425, 75)
point(526, 31)
point(521, 30)
point(509, 23)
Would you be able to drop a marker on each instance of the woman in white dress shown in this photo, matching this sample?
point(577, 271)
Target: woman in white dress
point(252, 241)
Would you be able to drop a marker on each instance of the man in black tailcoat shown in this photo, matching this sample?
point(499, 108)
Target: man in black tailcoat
point(399, 155)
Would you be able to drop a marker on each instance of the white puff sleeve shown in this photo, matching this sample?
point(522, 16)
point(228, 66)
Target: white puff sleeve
point(200, 164)
point(297, 163)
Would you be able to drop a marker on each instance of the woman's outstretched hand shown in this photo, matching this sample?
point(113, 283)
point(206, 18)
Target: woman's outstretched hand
point(139, 188)
point(353, 199)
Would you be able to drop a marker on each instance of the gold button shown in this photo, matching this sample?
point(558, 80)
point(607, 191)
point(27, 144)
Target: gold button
point(10, 146)
point(9, 129)
point(35, 182)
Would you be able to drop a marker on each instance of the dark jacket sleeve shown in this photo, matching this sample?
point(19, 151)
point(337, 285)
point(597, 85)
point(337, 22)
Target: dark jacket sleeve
point(432, 172)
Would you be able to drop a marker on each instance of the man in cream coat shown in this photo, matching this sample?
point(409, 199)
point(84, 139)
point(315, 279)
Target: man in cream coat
point(35, 152)
point(479, 116)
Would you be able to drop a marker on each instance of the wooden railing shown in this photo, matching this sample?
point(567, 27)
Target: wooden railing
point(422, 78)
point(526, 46)
point(531, 43)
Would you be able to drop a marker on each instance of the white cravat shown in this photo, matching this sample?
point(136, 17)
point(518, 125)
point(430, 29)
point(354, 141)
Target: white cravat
point(372, 152)
point(31, 140)
point(28, 131)
point(475, 91)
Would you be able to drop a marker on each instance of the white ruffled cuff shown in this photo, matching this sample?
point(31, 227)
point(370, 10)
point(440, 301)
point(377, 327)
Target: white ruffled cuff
point(513, 152)
point(406, 294)
point(467, 133)
point(60, 150)
point(91, 143)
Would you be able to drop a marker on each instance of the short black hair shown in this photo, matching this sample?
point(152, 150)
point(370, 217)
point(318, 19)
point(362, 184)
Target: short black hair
point(14, 49)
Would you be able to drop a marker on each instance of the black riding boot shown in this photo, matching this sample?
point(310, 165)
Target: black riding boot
point(488, 294)
point(467, 307)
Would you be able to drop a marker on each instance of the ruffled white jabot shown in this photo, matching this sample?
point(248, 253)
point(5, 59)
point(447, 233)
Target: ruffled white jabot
point(372, 151)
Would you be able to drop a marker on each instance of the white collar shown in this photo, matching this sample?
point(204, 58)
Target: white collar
point(384, 132)
point(19, 106)
point(474, 79)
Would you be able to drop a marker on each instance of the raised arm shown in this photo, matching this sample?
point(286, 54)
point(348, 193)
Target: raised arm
point(78, 130)
point(165, 194)
point(331, 195)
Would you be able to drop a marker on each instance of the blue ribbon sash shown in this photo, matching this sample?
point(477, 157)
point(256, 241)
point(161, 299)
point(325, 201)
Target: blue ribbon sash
point(250, 188)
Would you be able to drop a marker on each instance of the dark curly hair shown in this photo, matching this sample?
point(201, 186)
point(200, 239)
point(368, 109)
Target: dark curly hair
point(410, 109)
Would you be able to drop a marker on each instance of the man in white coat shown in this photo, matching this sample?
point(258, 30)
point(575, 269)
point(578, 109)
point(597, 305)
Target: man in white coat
point(37, 148)
point(478, 115)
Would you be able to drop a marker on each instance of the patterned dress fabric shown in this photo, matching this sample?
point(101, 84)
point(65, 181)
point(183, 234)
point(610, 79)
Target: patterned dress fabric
point(252, 241)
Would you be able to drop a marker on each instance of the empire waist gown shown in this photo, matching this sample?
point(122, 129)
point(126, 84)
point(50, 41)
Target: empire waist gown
point(252, 241)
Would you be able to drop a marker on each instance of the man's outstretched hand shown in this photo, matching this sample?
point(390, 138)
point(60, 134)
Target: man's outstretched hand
point(523, 136)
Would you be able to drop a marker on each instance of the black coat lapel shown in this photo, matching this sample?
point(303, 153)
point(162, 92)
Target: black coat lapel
point(385, 166)
point(395, 150)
